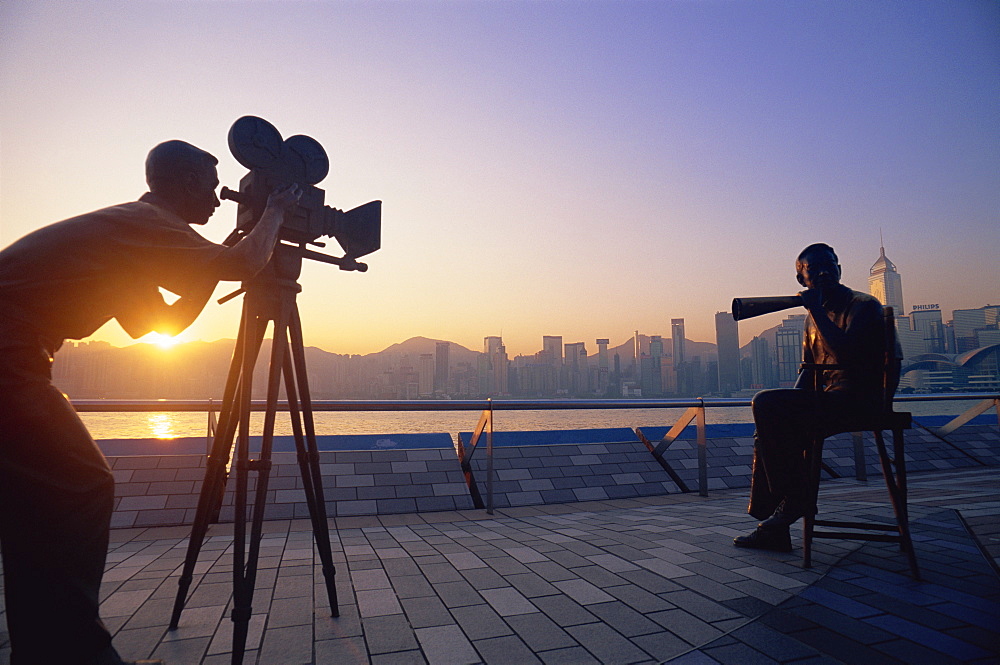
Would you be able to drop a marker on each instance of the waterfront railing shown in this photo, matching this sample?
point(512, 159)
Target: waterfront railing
point(695, 412)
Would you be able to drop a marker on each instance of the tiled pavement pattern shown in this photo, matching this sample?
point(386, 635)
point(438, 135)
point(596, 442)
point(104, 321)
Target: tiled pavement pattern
point(643, 580)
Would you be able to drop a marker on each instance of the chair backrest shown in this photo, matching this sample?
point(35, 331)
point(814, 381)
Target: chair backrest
point(893, 359)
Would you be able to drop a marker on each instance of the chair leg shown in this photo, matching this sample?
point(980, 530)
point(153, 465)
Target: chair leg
point(814, 463)
point(899, 453)
point(894, 472)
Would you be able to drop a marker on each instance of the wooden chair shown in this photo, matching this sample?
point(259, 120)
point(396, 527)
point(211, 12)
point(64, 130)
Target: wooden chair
point(893, 467)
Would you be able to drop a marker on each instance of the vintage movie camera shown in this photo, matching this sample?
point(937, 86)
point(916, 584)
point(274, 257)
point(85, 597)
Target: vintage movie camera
point(274, 164)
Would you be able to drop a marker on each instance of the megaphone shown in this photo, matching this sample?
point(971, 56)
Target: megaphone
point(747, 308)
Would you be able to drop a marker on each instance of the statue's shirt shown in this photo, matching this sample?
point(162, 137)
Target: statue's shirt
point(66, 280)
point(859, 315)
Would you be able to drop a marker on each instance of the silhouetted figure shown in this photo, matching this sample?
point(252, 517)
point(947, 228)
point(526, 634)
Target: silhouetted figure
point(844, 327)
point(64, 281)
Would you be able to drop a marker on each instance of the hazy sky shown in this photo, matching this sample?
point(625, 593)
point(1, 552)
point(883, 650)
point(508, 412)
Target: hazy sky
point(583, 169)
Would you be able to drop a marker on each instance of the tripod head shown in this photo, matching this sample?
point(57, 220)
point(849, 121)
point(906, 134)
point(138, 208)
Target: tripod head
point(275, 163)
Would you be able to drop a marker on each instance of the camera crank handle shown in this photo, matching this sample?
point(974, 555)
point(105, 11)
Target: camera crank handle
point(224, 299)
point(345, 263)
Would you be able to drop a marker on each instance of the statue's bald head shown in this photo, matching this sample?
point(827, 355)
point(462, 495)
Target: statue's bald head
point(184, 178)
point(173, 161)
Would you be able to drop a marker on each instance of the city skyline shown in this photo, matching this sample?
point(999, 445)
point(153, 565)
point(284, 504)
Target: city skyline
point(588, 168)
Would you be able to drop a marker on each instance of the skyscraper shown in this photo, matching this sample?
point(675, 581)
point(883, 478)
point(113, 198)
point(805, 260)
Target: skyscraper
point(885, 283)
point(441, 366)
point(497, 365)
point(968, 322)
point(652, 377)
point(576, 368)
point(603, 366)
point(602, 354)
point(727, 341)
point(553, 345)
point(762, 369)
point(677, 335)
point(637, 356)
point(425, 375)
point(927, 322)
point(788, 343)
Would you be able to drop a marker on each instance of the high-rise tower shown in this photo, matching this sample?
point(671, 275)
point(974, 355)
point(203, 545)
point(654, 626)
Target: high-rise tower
point(885, 284)
point(727, 341)
point(441, 366)
point(677, 336)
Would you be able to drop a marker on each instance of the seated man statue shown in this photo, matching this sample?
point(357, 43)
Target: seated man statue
point(844, 328)
point(64, 281)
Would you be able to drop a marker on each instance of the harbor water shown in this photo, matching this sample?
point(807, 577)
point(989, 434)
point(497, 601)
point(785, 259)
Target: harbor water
point(168, 425)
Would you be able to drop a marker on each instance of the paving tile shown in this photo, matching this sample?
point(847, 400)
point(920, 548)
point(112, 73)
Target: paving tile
point(378, 602)
point(343, 651)
point(737, 654)
point(480, 622)
point(526, 554)
point(412, 586)
point(484, 578)
point(182, 651)
point(446, 645)
point(624, 619)
point(508, 650)
point(700, 606)
point(399, 658)
point(847, 627)
point(551, 571)
point(508, 601)
point(458, 594)
point(839, 603)
point(564, 610)
point(365, 580)
point(829, 643)
point(388, 633)
point(930, 638)
point(639, 599)
point(426, 612)
point(569, 656)
point(688, 627)
point(911, 652)
point(606, 645)
point(772, 643)
point(287, 646)
point(662, 646)
point(583, 591)
point(539, 632)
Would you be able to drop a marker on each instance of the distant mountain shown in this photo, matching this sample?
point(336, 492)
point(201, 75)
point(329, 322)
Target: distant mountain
point(416, 346)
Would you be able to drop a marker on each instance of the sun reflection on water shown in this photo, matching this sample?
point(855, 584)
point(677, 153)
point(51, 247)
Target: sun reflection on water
point(161, 425)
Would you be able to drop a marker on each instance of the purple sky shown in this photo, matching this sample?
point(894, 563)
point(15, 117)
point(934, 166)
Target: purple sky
point(582, 169)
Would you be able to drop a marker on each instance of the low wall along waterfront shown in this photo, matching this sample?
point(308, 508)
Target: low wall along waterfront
point(158, 482)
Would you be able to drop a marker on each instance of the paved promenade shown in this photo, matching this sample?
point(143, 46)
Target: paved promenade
point(650, 580)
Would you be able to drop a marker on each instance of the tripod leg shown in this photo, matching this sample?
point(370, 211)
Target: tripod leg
point(312, 478)
point(214, 485)
point(245, 570)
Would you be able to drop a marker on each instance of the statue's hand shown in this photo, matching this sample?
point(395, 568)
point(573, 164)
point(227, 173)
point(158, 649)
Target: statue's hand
point(812, 299)
point(284, 199)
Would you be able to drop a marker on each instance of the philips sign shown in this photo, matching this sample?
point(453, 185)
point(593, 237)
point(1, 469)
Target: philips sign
point(925, 308)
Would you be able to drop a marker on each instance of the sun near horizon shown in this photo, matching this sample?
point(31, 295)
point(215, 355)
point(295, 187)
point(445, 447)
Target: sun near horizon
point(164, 342)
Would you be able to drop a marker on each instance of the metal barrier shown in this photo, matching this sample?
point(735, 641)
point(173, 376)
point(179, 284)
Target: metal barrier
point(695, 411)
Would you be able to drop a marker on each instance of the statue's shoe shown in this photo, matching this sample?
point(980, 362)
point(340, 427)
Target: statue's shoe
point(772, 539)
